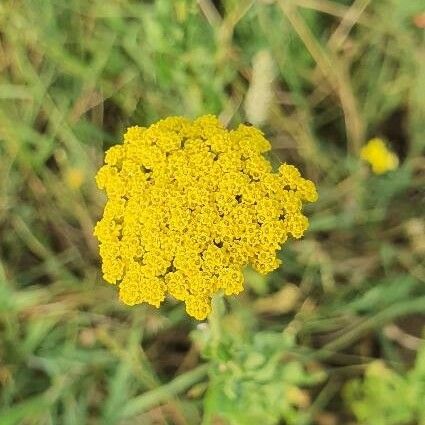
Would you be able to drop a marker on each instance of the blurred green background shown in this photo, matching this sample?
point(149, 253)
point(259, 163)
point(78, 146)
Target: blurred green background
point(336, 335)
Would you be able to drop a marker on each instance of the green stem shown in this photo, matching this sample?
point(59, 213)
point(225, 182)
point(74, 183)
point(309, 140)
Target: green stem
point(217, 312)
point(165, 392)
point(384, 316)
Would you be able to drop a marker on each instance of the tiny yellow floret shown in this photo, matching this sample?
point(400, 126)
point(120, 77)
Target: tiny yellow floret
point(381, 159)
point(190, 204)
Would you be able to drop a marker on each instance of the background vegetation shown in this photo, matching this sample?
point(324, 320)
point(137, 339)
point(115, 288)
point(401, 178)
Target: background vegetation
point(336, 335)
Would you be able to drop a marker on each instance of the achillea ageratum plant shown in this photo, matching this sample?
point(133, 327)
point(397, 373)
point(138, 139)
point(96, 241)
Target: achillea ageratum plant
point(380, 158)
point(190, 204)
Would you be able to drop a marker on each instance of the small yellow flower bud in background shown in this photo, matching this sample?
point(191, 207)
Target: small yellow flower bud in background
point(190, 204)
point(74, 178)
point(298, 397)
point(381, 159)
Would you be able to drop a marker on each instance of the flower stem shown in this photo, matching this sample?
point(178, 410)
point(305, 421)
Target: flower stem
point(218, 309)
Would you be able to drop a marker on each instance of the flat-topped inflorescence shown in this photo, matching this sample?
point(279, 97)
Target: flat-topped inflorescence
point(190, 204)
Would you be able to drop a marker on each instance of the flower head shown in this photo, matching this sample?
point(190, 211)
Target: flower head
point(379, 156)
point(190, 204)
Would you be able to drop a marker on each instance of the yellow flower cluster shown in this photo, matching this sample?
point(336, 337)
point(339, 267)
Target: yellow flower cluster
point(379, 156)
point(189, 205)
